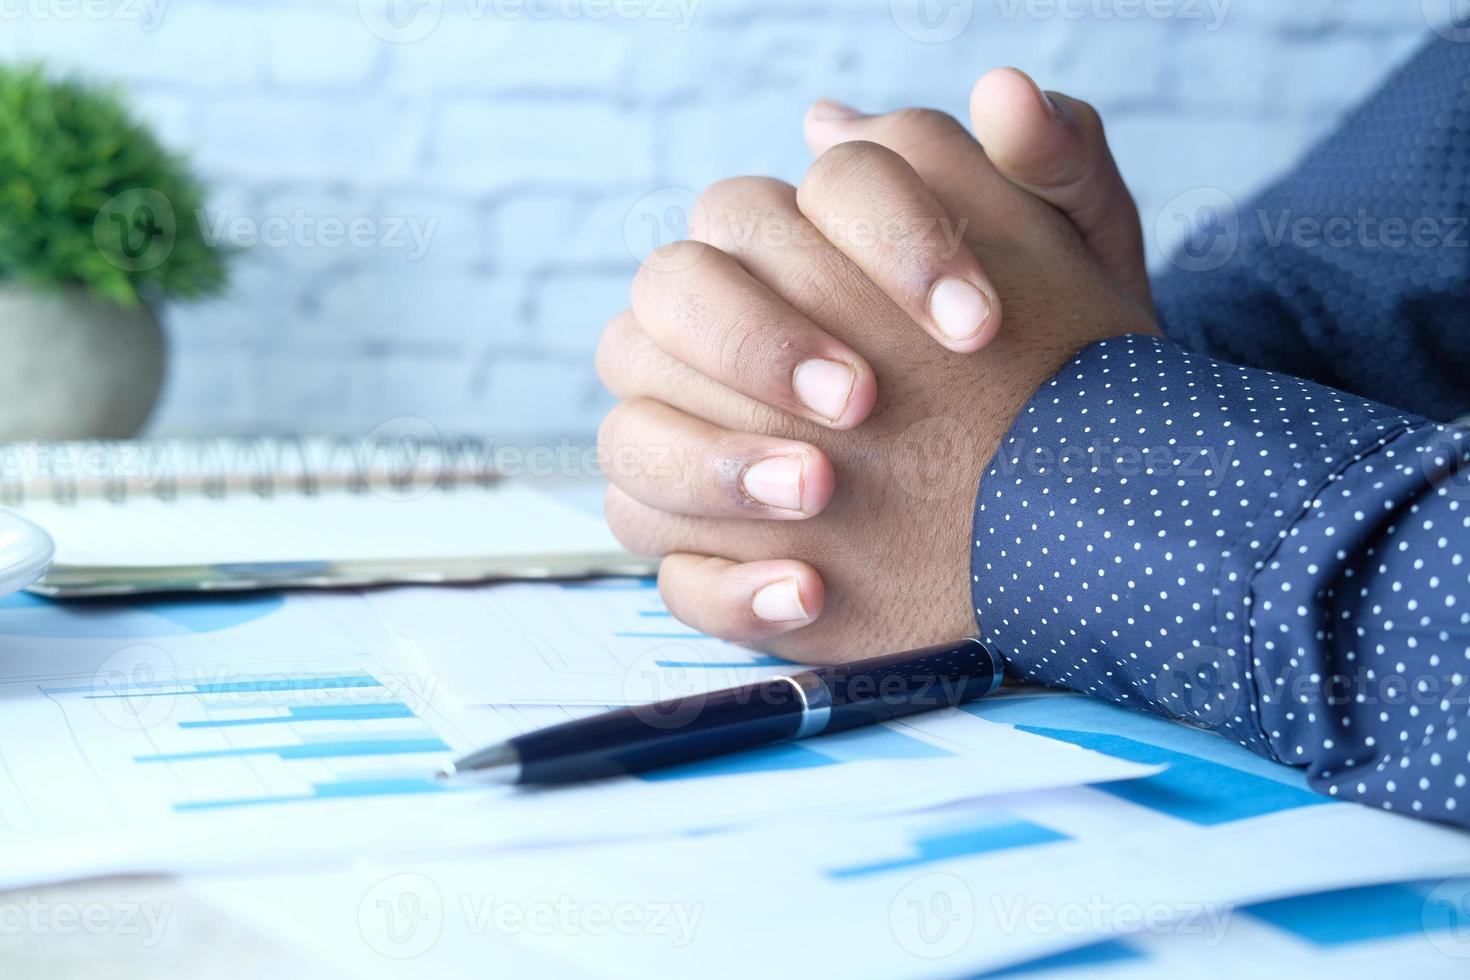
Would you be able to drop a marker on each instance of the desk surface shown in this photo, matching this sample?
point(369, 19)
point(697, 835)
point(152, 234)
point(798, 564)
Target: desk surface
point(197, 941)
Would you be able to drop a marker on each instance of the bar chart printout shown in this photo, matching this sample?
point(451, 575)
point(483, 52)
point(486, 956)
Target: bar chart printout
point(185, 744)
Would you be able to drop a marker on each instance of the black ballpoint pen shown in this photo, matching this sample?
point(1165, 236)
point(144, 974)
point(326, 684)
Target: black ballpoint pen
point(811, 702)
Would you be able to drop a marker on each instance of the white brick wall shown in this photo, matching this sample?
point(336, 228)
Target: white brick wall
point(519, 144)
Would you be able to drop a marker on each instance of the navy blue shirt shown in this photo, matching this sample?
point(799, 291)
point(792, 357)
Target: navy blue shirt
point(1240, 547)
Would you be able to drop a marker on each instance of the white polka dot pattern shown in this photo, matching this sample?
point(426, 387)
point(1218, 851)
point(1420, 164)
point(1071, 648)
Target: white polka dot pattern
point(1279, 561)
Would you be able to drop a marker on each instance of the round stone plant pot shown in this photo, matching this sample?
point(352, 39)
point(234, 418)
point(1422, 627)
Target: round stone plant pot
point(75, 367)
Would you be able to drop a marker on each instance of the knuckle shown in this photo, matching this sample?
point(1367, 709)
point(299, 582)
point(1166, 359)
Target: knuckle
point(839, 167)
point(610, 430)
point(922, 122)
point(1087, 116)
point(738, 344)
point(919, 134)
point(627, 524)
point(755, 417)
point(754, 350)
point(683, 585)
point(614, 347)
point(661, 266)
point(741, 192)
point(731, 211)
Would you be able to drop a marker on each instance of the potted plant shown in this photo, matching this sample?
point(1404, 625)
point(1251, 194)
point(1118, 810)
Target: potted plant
point(99, 224)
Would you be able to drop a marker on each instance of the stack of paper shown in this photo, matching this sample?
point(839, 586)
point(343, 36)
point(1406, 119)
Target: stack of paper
point(278, 748)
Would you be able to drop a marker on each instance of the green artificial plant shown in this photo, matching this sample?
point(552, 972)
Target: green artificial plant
point(90, 199)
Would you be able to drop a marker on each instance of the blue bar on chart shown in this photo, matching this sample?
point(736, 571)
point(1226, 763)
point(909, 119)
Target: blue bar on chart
point(341, 789)
point(996, 832)
point(311, 750)
point(271, 685)
point(863, 744)
point(371, 711)
point(757, 661)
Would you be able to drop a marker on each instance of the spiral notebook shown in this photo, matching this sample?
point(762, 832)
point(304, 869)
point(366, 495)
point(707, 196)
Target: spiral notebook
point(257, 513)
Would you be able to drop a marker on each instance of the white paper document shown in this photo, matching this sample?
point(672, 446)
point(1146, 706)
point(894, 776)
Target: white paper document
point(1169, 864)
point(966, 889)
point(139, 736)
point(608, 641)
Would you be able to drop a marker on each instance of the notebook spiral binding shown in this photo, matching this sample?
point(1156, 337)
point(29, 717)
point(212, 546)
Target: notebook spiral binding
point(165, 469)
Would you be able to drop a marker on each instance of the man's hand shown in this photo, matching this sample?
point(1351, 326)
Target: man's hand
point(748, 349)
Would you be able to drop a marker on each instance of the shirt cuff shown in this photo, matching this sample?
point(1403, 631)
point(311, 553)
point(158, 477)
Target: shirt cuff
point(1121, 526)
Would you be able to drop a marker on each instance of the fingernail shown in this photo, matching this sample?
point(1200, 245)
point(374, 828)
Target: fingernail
point(958, 308)
point(775, 482)
point(1046, 100)
point(824, 386)
point(830, 111)
point(779, 602)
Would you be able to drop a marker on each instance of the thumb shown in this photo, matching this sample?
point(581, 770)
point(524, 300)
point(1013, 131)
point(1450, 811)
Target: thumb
point(1054, 146)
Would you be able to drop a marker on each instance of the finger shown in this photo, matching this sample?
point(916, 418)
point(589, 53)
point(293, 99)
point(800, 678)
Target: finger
point(677, 463)
point(756, 221)
point(1055, 147)
point(945, 156)
point(633, 366)
point(742, 603)
point(702, 307)
point(871, 204)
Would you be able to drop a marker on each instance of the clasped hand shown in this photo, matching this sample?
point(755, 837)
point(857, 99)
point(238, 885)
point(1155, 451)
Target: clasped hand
point(802, 457)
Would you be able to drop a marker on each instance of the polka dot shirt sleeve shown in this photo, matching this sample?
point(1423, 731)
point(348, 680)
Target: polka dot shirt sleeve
point(1278, 561)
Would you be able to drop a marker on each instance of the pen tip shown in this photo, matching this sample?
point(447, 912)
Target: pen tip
point(445, 773)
